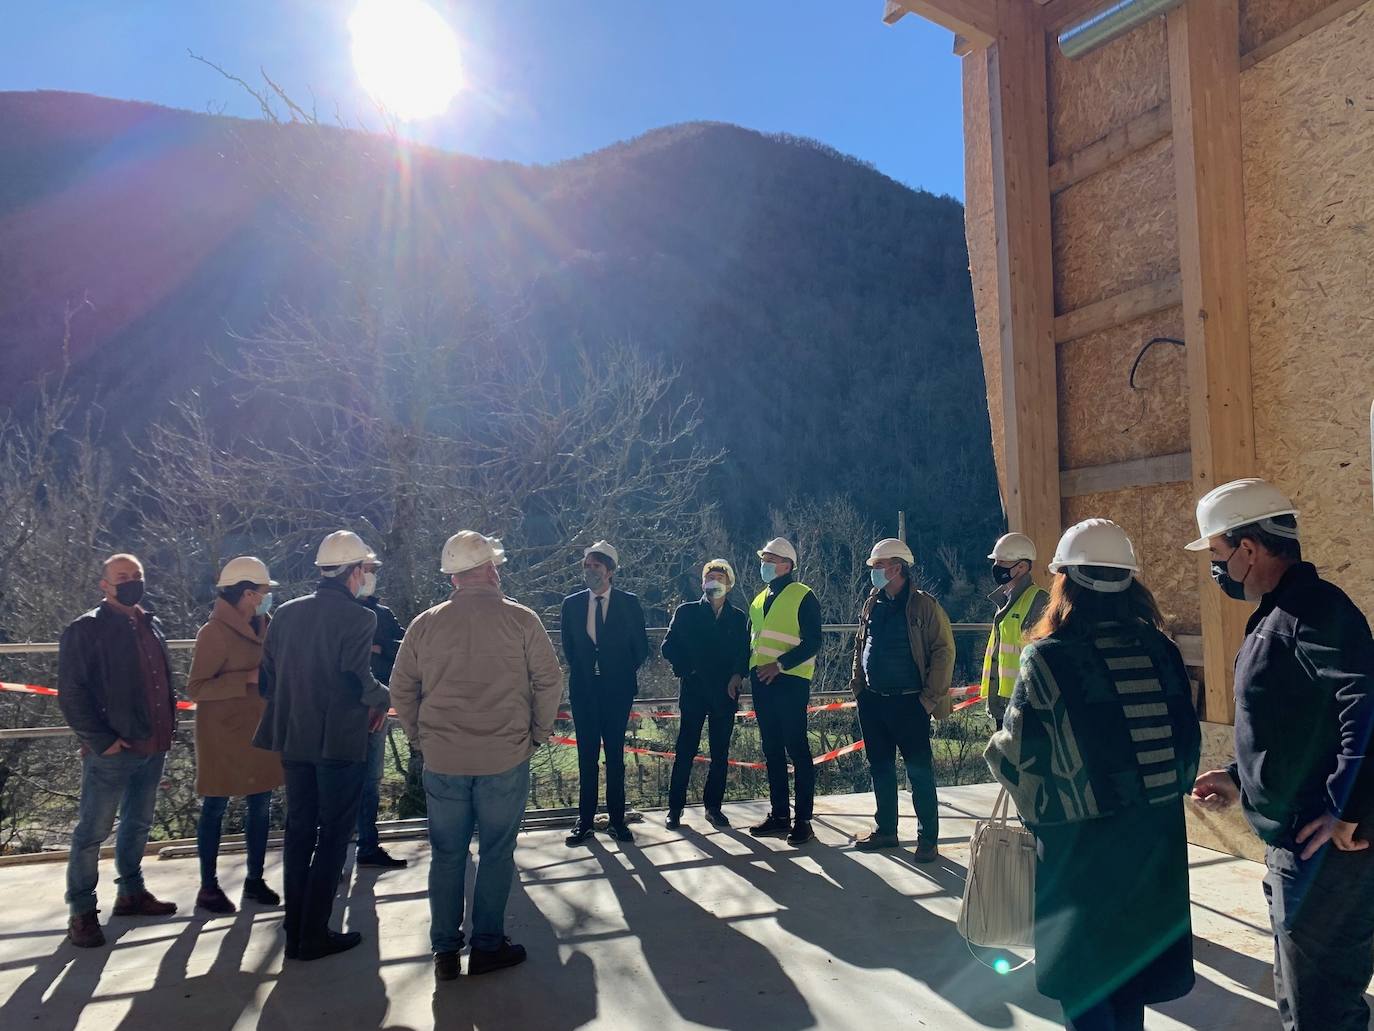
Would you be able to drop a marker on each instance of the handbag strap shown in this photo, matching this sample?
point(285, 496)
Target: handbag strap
point(1000, 808)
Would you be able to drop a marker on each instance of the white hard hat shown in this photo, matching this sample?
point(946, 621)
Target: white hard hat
point(243, 569)
point(604, 548)
point(468, 549)
point(781, 547)
point(1013, 548)
point(891, 547)
point(1240, 503)
point(1095, 542)
point(343, 548)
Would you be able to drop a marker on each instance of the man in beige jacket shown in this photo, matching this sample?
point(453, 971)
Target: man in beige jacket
point(476, 687)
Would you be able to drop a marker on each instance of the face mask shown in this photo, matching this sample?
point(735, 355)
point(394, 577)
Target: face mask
point(1002, 574)
point(264, 606)
point(713, 588)
point(129, 593)
point(369, 587)
point(594, 579)
point(879, 577)
point(1229, 585)
point(769, 572)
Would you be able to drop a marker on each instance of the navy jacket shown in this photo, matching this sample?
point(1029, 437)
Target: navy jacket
point(617, 656)
point(705, 651)
point(387, 637)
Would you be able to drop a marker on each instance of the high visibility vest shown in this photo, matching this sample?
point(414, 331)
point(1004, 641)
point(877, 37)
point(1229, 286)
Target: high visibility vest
point(1003, 658)
point(780, 630)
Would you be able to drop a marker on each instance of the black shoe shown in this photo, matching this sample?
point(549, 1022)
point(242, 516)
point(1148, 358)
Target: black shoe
point(332, 943)
point(773, 827)
point(875, 841)
point(446, 966)
point(674, 820)
point(801, 833)
point(579, 835)
point(925, 852)
point(716, 818)
point(213, 900)
point(484, 961)
point(620, 832)
point(380, 858)
point(255, 889)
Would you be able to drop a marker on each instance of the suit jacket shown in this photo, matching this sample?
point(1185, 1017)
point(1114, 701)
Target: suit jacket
point(617, 656)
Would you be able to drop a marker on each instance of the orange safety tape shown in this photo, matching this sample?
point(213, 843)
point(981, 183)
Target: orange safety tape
point(49, 692)
point(826, 757)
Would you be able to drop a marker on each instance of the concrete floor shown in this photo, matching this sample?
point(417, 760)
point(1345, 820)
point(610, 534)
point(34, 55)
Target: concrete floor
point(698, 929)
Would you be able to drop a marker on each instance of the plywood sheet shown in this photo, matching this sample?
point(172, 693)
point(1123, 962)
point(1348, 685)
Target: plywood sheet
point(1117, 230)
point(1159, 521)
point(1262, 20)
point(1094, 94)
point(1308, 135)
point(1101, 419)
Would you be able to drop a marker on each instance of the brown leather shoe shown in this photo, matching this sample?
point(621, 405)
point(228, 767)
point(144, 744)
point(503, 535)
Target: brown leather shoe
point(142, 903)
point(84, 931)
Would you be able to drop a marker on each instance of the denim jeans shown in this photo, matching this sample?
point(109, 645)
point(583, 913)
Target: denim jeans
point(211, 824)
point(321, 809)
point(494, 804)
point(126, 783)
point(889, 723)
point(372, 793)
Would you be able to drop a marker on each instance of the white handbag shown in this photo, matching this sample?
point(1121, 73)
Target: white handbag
point(998, 910)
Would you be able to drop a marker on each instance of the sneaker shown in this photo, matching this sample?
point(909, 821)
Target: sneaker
point(801, 833)
point(142, 903)
point(255, 889)
point(213, 900)
point(580, 835)
point(331, 944)
point(381, 858)
point(620, 832)
point(875, 841)
point(84, 931)
point(446, 966)
point(925, 852)
point(484, 961)
point(716, 818)
point(674, 820)
point(773, 827)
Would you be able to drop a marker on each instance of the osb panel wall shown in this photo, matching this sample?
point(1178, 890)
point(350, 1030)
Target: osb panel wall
point(1116, 230)
point(1262, 20)
point(1101, 419)
point(1159, 521)
point(980, 228)
point(1092, 95)
point(1308, 132)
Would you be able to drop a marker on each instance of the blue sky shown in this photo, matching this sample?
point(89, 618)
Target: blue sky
point(545, 80)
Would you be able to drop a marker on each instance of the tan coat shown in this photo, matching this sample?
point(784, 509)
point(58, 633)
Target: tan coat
point(476, 683)
point(223, 684)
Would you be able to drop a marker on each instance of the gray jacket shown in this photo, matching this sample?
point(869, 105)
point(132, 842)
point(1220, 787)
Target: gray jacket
point(316, 675)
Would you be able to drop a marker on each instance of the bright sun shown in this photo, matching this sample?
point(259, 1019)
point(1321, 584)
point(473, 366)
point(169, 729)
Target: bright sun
point(406, 56)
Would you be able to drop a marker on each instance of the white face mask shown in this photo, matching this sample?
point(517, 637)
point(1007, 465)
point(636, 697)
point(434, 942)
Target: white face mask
point(369, 587)
point(713, 588)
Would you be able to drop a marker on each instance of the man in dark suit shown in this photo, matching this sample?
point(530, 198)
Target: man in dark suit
point(605, 644)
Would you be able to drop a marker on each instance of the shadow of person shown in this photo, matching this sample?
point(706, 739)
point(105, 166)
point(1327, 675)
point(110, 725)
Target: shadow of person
point(544, 992)
point(49, 1000)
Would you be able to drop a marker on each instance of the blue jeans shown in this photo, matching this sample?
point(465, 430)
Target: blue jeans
point(126, 783)
point(495, 805)
point(254, 833)
point(372, 793)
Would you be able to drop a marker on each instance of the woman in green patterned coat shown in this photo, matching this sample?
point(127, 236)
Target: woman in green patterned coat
point(1099, 745)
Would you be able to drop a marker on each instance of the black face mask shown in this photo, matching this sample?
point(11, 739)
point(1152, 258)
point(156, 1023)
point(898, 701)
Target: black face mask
point(129, 593)
point(1002, 574)
point(1229, 585)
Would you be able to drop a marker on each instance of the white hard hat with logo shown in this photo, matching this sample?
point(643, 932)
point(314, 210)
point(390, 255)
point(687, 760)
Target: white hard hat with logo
point(603, 548)
point(1095, 542)
point(1013, 548)
point(1240, 503)
point(468, 549)
point(781, 547)
point(343, 548)
point(891, 547)
point(245, 569)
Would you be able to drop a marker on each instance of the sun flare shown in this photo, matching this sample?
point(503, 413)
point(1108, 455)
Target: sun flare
point(406, 57)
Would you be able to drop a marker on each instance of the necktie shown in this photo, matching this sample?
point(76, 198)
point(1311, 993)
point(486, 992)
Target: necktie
point(600, 616)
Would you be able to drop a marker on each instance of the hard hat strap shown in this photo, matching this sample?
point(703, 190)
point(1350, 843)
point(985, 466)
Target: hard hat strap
point(1101, 586)
point(1278, 529)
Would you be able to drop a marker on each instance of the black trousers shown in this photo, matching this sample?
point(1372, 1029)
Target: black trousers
point(1322, 914)
point(695, 712)
point(322, 800)
point(781, 708)
point(890, 723)
point(600, 723)
point(1111, 1014)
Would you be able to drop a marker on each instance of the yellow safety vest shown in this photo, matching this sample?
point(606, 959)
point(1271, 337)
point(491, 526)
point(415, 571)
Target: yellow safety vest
point(780, 630)
point(1003, 657)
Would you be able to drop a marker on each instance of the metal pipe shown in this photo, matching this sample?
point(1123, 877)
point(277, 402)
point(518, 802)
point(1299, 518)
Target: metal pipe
point(1086, 35)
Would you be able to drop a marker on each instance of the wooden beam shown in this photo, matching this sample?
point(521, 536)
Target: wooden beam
point(1204, 74)
point(1138, 472)
point(1191, 647)
point(893, 12)
point(1025, 288)
point(1119, 310)
point(1123, 141)
point(975, 20)
point(1056, 14)
point(1304, 28)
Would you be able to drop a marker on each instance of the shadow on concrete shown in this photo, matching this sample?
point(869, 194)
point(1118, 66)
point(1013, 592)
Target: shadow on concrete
point(66, 996)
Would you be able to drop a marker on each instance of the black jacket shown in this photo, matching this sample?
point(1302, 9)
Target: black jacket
point(387, 637)
point(317, 678)
point(617, 657)
point(1304, 708)
point(705, 651)
point(100, 682)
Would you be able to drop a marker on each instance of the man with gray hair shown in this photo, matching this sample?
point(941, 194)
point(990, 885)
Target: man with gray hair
point(322, 701)
point(476, 687)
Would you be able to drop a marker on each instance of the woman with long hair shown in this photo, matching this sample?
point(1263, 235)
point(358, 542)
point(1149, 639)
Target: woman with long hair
point(224, 685)
point(1100, 744)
